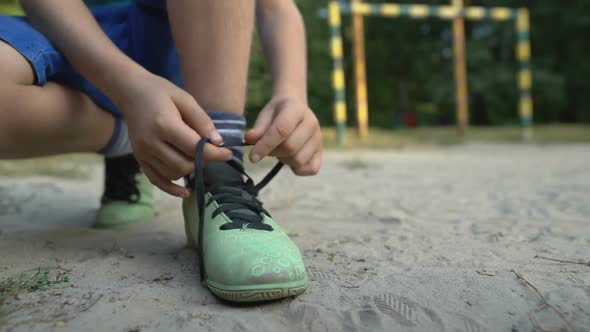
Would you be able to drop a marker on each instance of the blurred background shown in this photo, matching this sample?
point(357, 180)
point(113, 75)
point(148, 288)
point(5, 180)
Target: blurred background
point(410, 66)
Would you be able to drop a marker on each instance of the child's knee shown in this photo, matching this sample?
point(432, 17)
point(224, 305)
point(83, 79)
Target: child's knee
point(14, 68)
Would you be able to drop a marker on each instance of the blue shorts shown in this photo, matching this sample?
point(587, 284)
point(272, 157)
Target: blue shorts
point(140, 29)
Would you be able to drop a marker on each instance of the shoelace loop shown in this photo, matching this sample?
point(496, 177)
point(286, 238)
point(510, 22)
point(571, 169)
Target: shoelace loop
point(232, 201)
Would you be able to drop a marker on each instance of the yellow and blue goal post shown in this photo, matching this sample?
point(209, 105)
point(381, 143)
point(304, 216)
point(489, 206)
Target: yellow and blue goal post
point(338, 77)
point(523, 47)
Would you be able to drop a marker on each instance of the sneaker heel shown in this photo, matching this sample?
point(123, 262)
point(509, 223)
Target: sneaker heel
point(191, 239)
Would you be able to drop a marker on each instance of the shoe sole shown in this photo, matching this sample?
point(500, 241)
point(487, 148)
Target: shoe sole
point(257, 293)
point(141, 221)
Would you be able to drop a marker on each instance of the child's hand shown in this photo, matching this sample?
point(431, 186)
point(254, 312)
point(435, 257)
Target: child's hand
point(165, 124)
point(287, 129)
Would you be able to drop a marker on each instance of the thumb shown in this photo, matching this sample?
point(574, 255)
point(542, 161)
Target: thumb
point(196, 118)
point(263, 122)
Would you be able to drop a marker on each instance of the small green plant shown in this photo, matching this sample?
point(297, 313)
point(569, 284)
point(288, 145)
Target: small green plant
point(26, 282)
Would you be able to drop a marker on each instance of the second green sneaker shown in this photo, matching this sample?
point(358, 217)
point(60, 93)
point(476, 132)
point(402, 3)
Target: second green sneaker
point(244, 255)
point(128, 194)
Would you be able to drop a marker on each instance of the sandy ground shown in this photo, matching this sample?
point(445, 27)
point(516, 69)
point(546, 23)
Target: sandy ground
point(416, 240)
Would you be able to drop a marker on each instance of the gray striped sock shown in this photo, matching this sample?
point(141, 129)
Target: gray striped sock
point(119, 143)
point(231, 127)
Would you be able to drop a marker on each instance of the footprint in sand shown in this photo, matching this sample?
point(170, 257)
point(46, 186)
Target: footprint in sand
point(358, 304)
point(357, 297)
point(468, 324)
point(321, 277)
point(415, 317)
point(408, 313)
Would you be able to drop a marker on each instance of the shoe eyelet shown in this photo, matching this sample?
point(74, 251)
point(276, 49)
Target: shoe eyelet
point(134, 198)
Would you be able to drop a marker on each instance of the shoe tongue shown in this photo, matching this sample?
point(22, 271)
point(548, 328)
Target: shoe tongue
point(222, 174)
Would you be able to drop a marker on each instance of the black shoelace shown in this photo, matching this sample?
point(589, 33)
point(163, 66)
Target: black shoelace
point(240, 205)
point(120, 183)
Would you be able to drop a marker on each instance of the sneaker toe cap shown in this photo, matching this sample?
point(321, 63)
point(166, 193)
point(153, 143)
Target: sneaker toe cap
point(255, 259)
point(117, 214)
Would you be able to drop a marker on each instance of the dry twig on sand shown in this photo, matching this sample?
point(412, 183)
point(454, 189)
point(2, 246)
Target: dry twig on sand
point(545, 304)
point(579, 262)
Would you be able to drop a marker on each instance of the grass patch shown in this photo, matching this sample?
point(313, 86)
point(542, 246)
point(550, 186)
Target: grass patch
point(30, 281)
point(403, 138)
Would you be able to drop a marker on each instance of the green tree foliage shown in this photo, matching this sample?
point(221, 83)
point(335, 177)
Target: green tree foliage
point(410, 65)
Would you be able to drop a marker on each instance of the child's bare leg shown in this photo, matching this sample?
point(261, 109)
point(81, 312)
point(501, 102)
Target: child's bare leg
point(213, 38)
point(52, 119)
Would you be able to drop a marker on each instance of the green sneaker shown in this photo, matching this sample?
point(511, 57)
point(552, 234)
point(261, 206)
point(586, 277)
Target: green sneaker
point(128, 194)
point(244, 256)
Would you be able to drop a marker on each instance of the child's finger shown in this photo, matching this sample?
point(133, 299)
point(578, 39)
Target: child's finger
point(164, 184)
point(302, 134)
point(185, 139)
point(280, 129)
point(196, 118)
point(173, 157)
point(303, 156)
point(312, 167)
point(263, 121)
